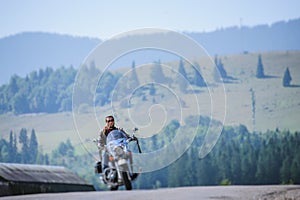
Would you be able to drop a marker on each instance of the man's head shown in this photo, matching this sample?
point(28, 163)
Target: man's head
point(110, 121)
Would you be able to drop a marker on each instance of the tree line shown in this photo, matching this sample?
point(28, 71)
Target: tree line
point(239, 157)
point(24, 148)
point(45, 90)
point(50, 91)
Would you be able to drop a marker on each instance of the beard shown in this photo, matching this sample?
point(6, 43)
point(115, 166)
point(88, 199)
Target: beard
point(111, 125)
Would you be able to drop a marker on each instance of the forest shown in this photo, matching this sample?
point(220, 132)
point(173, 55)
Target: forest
point(239, 157)
point(50, 91)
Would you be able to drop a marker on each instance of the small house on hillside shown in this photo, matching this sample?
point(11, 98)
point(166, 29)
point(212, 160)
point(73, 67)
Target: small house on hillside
point(17, 179)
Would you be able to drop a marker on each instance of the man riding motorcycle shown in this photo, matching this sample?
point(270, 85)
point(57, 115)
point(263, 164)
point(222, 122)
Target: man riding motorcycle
point(112, 143)
point(110, 126)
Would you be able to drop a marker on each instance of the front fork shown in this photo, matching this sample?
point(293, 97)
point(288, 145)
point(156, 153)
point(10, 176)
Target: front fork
point(125, 164)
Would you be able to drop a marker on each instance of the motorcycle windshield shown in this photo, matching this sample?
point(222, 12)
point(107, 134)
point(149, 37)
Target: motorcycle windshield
point(115, 135)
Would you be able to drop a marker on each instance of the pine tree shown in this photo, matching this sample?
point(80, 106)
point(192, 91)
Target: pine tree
point(181, 69)
point(182, 79)
point(33, 147)
point(4, 151)
point(197, 78)
point(217, 75)
point(157, 74)
point(220, 73)
point(46, 160)
point(13, 87)
point(13, 151)
point(286, 81)
point(134, 80)
point(222, 69)
point(23, 139)
point(260, 68)
point(285, 170)
point(152, 90)
point(20, 103)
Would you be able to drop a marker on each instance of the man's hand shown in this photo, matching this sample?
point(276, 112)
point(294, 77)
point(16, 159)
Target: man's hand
point(134, 138)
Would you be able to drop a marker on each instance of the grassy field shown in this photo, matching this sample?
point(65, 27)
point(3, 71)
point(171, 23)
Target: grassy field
point(276, 106)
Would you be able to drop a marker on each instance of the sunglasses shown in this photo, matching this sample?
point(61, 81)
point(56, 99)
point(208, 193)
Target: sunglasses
point(110, 120)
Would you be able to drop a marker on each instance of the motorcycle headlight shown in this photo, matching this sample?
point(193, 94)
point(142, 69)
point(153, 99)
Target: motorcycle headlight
point(119, 151)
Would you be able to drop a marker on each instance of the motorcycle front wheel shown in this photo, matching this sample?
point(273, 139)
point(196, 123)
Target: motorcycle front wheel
point(127, 181)
point(113, 188)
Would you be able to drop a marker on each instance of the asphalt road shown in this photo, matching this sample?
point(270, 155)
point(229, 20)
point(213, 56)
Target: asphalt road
point(208, 192)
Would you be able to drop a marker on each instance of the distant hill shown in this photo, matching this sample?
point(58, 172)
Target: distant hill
point(22, 53)
point(29, 51)
point(276, 37)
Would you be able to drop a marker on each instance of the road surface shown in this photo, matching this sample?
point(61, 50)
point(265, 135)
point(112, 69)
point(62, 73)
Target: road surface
point(283, 192)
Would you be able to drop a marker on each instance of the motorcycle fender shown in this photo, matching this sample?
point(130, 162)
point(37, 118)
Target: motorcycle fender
point(122, 162)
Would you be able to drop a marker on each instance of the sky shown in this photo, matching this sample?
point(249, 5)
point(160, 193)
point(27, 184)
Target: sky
point(105, 18)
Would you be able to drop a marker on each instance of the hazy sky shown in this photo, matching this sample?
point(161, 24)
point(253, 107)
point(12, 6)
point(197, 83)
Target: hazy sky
point(103, 19)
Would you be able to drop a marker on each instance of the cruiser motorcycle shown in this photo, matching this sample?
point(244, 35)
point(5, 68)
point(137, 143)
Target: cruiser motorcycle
point(120, 164)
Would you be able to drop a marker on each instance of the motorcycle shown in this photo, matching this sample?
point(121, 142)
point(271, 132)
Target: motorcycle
point(120, 164)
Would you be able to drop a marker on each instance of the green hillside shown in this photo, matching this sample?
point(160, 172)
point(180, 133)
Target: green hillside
point(276, 106)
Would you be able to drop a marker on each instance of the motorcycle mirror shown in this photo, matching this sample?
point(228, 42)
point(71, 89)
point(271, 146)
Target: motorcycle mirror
point(135, 129)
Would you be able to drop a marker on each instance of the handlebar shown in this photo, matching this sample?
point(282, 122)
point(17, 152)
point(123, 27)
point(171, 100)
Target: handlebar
point(130, 139)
